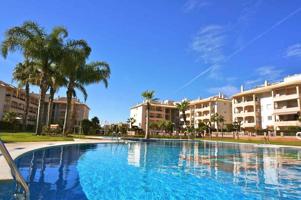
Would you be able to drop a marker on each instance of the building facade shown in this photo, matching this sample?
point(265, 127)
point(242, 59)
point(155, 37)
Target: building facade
point(12, 99)
point(201, 110)
point(78, 110)
point(270, 106)
point(165, 110)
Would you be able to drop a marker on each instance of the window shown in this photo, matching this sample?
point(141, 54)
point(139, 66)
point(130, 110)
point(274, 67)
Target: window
point(269, 118)
point(269, 106)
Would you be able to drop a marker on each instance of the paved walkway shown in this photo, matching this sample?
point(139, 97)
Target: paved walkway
point(18, 148)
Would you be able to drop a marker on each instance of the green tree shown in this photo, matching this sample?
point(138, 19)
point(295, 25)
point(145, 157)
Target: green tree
point(79, 74)
point(182, 107)
point(44, 49)
point(148, 97)
point(131, 121)
point(24, 74)
point(56, 81)
point(86, 126)
point(12, 118)
point(95, 122)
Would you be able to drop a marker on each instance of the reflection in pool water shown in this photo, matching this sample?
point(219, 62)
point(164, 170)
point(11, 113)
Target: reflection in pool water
point(163, 170)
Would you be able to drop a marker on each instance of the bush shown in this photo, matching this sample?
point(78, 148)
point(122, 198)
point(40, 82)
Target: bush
point(52, 131)
point(10, 127)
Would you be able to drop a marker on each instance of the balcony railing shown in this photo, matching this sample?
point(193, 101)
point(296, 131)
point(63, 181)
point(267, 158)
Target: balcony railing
point(278, 97)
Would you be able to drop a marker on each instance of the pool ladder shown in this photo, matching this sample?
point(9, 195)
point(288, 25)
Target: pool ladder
point(16, 174)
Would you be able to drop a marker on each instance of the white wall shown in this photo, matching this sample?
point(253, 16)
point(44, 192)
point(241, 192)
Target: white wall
point(138, 114)
point(267, 118)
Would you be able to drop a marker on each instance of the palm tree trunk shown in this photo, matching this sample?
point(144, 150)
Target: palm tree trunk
point(147, 122)
point(67, 113)
point(43, 90)
point(50, 107)
point(26, 106)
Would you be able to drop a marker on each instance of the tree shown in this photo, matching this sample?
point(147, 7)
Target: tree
point(79, 74)
point(12, 118)
point(218, 120)
point(44, 49)
point(24, 74)
point(169, 126)
point(95, 122)
point(86, 126)
point(153, 126)
point(56, 81)
point(236, 127)
point(131, 121)
point(221, 121)
point(148, 97)
point(182, 107)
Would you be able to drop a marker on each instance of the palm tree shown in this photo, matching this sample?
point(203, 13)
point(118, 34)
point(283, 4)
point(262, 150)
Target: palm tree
point(131, 121)
point(44, 49)
point(148, 96)
point(182, 107)
point(24, 74)
point(56, 81)
point(79, 74)
point(221, 121)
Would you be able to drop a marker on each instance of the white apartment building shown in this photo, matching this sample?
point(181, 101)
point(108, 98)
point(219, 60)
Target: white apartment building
point(165, 110)
point(275, 106)
point(201, 110)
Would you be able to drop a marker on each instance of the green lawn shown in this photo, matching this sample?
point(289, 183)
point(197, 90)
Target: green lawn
point(289, 143)
point(30, 137)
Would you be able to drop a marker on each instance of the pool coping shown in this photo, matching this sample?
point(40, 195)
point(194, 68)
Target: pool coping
point(20, 148)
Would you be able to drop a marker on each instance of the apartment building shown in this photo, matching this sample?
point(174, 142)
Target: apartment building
point(165, 110)
point(201, 110)
point(12, 99)
point(79, 111)
point(274, 106)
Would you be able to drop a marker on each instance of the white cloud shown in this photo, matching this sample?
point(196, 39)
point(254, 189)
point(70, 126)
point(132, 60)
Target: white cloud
point(208, 44)
point(294, 50)
point(269, 73)
point(228, 90)
point(195, 4)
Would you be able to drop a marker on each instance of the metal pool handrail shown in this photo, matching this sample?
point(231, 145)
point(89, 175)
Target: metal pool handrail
point(15, 172)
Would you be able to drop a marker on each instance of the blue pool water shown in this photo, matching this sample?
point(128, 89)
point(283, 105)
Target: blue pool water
point(163, 170)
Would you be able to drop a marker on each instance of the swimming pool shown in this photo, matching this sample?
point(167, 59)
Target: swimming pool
point(163, 170)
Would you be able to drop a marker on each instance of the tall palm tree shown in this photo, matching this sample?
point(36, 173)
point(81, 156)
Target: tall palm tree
point(148, 96)
point(24, 74)
point(56, 81)
point(44, 49)
point(79, 74)
point(182, 107)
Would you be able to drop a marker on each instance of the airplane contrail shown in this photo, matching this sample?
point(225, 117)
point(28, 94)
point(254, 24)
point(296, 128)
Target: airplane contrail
point(278, 23)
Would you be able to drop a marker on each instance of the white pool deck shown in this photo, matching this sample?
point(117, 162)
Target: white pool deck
point(19, 148)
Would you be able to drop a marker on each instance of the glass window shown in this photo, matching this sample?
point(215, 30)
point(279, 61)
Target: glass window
point(269, 118)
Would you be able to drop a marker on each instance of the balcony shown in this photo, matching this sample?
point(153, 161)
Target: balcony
point(284, 97)
point(248, 124)
point(287, 123)
point(284, 110)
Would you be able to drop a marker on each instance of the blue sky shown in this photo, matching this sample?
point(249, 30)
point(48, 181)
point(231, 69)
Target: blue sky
point(179, 48)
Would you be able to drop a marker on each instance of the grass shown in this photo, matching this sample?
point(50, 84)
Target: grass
point(30, 137)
